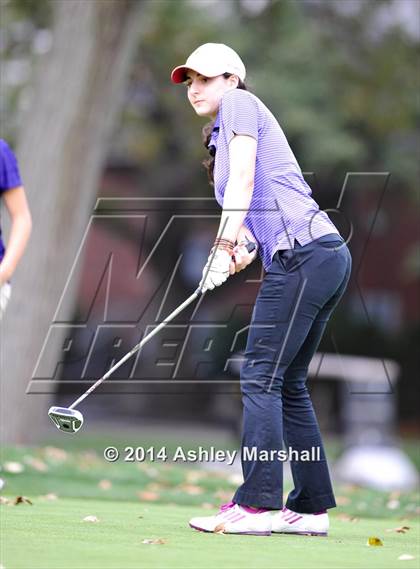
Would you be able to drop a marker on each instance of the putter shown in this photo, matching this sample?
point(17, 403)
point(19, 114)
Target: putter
point(68, 419)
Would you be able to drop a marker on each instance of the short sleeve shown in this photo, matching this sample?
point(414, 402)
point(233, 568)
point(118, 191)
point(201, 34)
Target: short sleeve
point(9, 169)
point(239, 114)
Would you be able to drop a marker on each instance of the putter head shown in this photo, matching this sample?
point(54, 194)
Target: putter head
point(67, 420)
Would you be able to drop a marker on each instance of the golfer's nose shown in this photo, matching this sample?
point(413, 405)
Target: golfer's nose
point(195, 87)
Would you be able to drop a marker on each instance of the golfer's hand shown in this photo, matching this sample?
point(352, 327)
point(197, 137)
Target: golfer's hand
point(216, 270)
point(241, 258)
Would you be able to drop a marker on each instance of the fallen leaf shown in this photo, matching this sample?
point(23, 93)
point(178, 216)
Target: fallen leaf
point(55, 454)
point(195, 475)
point(346, 518)
point(348, 488)
point(158, 541)
point(191, 489)
point(22, 500)
point(393, 504)
point(374, 541)
point(36, 463)
point(219, 528)
point(402, 529)
point(4, 500)
point(148, 496)
point(86, 460)
point(406, 557)
point(105, 484)
point(89, 456)
point(223, 495)
point(342, 500)
point(149, 470)
point(154, 487)
point(92, 519)
point(13, 467)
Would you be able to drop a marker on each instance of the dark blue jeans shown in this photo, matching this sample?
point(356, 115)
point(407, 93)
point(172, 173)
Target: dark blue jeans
point(295, 301)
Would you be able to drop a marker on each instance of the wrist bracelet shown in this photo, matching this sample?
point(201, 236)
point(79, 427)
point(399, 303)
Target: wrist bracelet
point(224, 244)
point(223, 240)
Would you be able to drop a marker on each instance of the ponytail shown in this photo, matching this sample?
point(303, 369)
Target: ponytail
point(207, 130)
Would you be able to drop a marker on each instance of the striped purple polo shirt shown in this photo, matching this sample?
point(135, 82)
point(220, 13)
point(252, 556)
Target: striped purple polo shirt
point(282, 208)
point(9, 176)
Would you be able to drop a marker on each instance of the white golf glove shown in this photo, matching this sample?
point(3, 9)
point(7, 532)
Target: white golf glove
point(216, 270)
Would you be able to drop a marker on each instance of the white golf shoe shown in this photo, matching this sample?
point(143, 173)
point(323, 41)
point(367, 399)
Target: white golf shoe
point(287, 521)
point(233, 518)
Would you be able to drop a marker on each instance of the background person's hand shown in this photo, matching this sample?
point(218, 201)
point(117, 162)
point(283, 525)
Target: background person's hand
point(4, 274)
point(216, 270)
point(241, 258)
point(5, 292)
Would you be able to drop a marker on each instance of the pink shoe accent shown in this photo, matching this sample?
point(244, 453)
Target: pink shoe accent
point(226, 506)
point(231, 516)
point(237, 518)
point(293, 523)
point(318, 533)
point(290, 516)
point(295, 519)
point(252, 510)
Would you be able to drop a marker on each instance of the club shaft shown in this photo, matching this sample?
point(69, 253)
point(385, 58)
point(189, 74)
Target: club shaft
point(136, 348)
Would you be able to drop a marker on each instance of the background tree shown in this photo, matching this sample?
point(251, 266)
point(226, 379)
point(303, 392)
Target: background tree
point(340, 77)
point(63, 143)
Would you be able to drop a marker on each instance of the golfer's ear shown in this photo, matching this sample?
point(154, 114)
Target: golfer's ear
point(234, 81)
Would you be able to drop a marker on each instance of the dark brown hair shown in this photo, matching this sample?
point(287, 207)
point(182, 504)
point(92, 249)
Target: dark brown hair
point(208, 163)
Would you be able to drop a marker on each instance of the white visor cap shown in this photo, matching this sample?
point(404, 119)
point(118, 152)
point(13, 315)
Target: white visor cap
point(211, 60)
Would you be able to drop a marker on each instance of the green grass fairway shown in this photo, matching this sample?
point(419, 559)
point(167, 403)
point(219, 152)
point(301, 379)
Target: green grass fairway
point(154, 500)
point(52, 535)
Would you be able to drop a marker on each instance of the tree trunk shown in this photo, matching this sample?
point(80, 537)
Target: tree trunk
point(62, 147)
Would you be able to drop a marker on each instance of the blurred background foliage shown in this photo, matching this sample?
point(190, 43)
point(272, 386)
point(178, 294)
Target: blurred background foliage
point(342, 77)
point(342, 83)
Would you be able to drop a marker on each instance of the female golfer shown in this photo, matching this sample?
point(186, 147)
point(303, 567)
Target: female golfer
point(259, 185)
point(13, 194)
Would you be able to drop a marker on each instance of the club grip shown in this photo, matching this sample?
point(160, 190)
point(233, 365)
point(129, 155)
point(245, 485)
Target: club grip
point(251, 246)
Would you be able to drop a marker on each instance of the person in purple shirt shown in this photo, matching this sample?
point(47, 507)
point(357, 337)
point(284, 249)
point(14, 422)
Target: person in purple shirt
point(13, 194)
point(265, 199)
